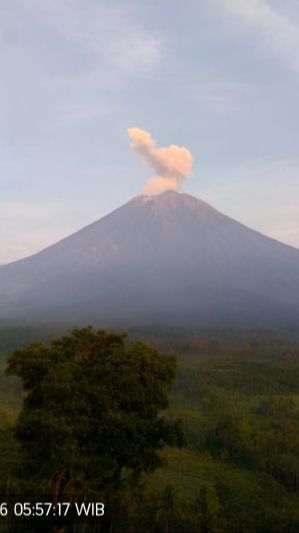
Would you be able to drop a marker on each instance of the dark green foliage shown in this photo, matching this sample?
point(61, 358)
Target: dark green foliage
point(97, 405)
point(206, 511)
point(91, 423)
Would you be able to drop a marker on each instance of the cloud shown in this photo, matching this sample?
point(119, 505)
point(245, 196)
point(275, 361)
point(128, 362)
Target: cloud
point(73, 58)
point(172, 164)
point(277, 32)
point(108, 33)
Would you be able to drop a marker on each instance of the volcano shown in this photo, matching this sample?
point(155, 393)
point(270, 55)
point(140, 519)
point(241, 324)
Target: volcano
point(166, 259)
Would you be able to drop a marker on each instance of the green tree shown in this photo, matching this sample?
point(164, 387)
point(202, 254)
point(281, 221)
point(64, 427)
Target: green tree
point(167, 509)
point(206, 511)
point(91, 421)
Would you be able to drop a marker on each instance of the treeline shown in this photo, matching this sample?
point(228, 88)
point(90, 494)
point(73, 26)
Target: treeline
point(243, 410)
point(209, 446)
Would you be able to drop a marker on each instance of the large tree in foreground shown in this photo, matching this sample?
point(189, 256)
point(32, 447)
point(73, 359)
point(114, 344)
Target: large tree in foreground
point(91, 418)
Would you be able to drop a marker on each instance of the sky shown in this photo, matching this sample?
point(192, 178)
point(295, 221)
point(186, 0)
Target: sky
point(219, 77)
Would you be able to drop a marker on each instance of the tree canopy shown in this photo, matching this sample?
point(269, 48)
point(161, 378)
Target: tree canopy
point(91, 418)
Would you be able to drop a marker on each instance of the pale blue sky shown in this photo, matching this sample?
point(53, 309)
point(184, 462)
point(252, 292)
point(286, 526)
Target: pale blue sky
point(220, 77)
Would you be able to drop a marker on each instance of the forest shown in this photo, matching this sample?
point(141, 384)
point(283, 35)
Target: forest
point(217, 449)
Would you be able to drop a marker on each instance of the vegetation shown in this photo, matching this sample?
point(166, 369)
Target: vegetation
point(98, 402)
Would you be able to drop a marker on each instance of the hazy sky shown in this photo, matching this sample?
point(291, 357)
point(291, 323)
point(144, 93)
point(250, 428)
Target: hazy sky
point(220, 77)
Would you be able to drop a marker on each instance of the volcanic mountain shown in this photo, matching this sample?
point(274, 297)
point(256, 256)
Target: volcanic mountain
point(166, 259)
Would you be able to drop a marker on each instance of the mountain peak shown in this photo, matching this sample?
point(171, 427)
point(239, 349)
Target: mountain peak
point(172, 200)
point(166, 257)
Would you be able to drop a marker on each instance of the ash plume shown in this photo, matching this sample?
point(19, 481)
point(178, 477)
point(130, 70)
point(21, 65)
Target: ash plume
point(172, 164)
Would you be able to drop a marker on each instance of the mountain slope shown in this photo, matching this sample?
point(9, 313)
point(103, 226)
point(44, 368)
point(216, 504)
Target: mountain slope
point(170, 257)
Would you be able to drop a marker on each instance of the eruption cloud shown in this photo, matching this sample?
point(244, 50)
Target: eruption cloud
point(172, 164)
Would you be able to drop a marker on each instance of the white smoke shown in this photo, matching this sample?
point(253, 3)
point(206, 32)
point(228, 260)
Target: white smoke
point(172, 164)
